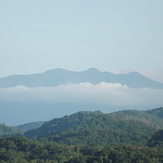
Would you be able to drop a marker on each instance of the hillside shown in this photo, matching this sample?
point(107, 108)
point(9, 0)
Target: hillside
point(58, 125)
point(29, 126)
point(156, 140)
point(8, 131)
point(61, 76)
point(157, 112)
point(147, 117)
point(93, 128)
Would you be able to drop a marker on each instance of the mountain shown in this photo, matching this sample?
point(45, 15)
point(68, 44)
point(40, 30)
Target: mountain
point(143, 116)
point(29, 126)
point(158, 112)
point(92, 128)
point(57, 125)
point(61, 76)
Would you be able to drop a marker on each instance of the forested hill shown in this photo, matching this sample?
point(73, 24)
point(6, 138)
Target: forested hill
point(158, 112)
point(29, 126)
point(58, 125)
point(150, 117)
point(8, 131)
point(93, 128)
point(81, 121)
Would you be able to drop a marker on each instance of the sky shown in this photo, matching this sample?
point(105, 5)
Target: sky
point(115, 36)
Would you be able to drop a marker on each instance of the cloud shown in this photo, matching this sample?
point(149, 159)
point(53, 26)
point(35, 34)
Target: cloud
point(103, 93)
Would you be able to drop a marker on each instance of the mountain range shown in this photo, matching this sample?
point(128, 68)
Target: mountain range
point(59, 76)
point(58, 92)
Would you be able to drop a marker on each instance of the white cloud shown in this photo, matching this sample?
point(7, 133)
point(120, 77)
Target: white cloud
point(103, 93)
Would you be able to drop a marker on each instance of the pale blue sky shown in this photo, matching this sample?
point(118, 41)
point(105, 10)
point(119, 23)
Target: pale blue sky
point(39, 35)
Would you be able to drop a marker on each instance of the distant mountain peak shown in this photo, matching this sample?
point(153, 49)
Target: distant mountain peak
point(56, 70)
point(92, 70)
point(134, 73)
point(59, 76)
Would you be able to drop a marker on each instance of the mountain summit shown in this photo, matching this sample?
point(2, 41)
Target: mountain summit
point(59, 76)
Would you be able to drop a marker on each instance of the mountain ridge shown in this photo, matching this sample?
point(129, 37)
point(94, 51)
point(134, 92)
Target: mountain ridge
point(59, 76)
point(86, 123)
point(81, 127)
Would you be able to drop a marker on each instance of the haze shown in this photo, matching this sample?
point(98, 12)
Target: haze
point(114, 36)
point(76, 35)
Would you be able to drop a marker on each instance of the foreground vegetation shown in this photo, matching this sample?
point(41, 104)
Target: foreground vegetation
point(23, 150)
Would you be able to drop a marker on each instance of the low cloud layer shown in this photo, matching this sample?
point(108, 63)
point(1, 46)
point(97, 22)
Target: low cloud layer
point(103, 93)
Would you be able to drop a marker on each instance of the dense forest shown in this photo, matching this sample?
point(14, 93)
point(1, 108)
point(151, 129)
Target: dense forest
point(93, 129)
point(24, 150)
point(87, 137)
